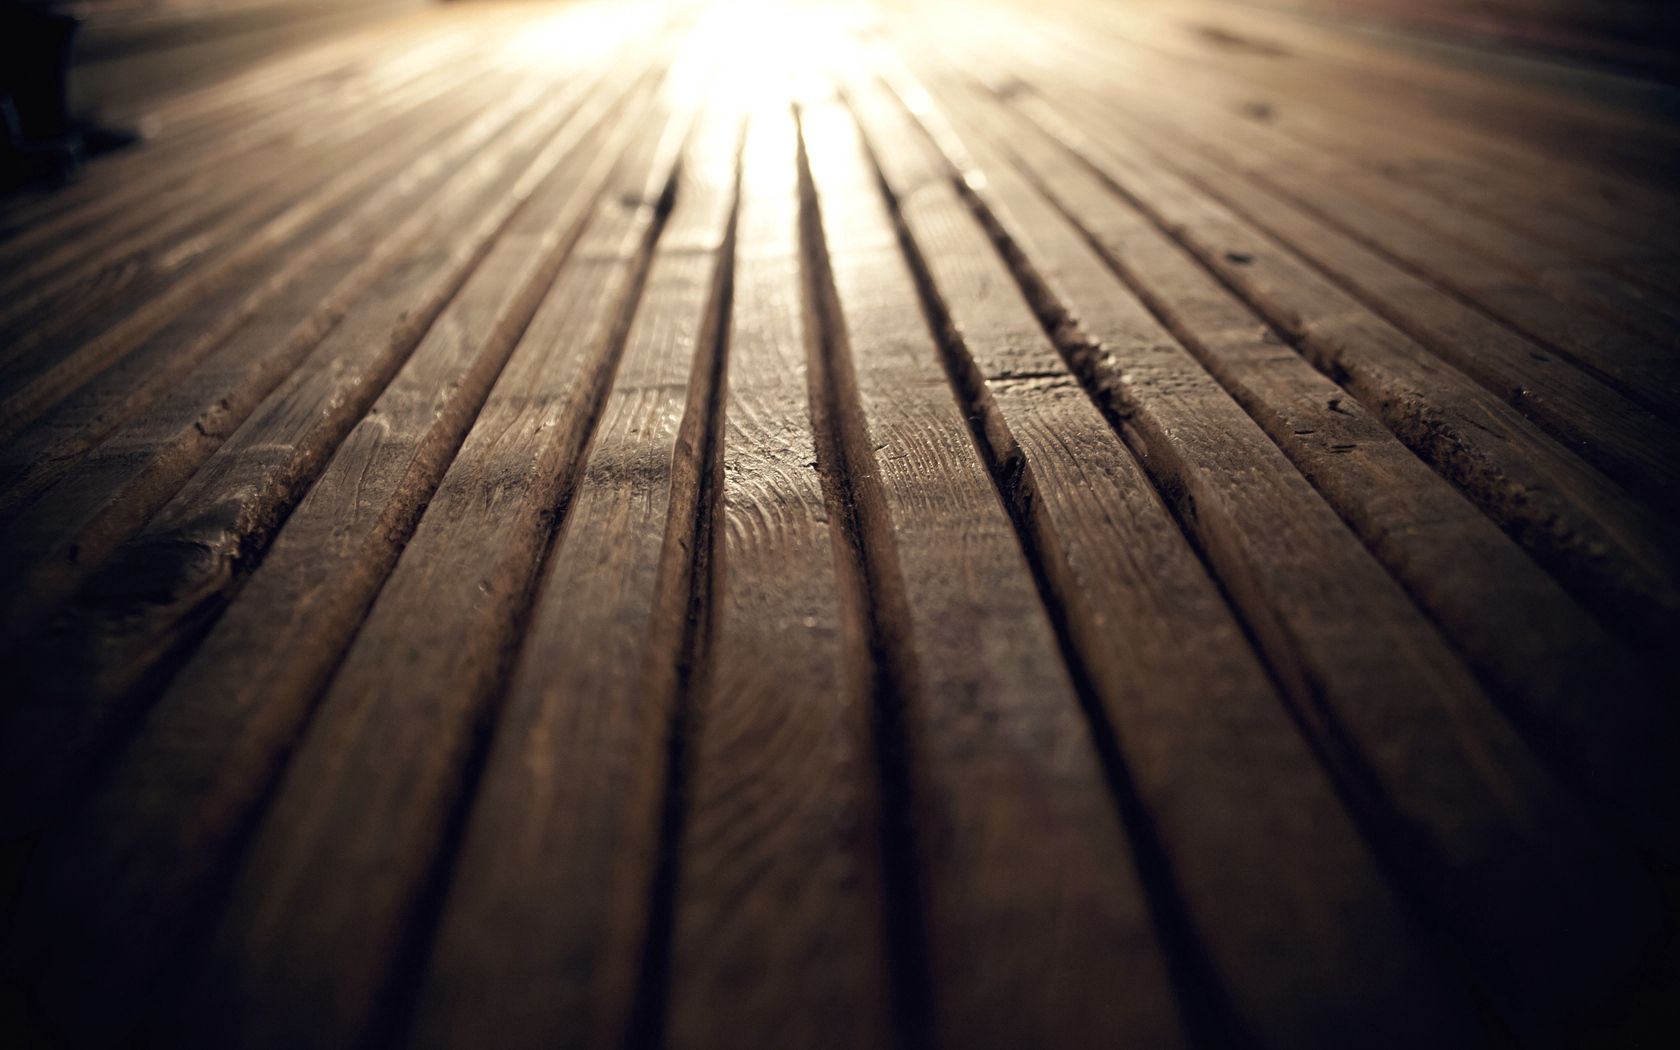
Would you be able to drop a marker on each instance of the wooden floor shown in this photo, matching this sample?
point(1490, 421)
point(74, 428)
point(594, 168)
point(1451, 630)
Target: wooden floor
point(991, 524)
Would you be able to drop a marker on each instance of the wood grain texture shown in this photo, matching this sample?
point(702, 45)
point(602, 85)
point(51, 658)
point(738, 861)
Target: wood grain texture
point(163, 584)
point(483, 536)
point(1297, 141)
point(844, 524)
point(779, 924)
point(193, 360)
point(146, 849)
point(974, 648)
point(1090, 503)
point(1567, 515)
point(1627, 441)
point(196, 381)
point(1411, 520)
point(565, 837)
point(1555, 197)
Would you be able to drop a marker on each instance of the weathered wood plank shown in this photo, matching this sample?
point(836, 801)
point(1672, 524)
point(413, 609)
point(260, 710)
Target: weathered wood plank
point(128, 289)
point(1548, 129)
point(554, 909)
point(297, 98)
point(391, 752)
point(186, 137)
point(1363, 207)
point(1031, 908)
point(1629, 442)
point(122, 883)
point(1155, 635)
point(1607, 549)
point(1544, 196)
point(1542, 654)
point(781, 933)
point(168, 183)
point(1403, 225)
point(171, 231)
point(139, 613)
point(183, 396)
point(57, 317)
point(54, 361)
point(1336, 178)
point(1561, 850)
point(189, 365)
point(1114, 598)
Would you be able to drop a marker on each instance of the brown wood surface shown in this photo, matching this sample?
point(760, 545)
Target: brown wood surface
point(476, 553)
point(162, 837)
point(964, 644)
point(847, 524)
point(564, 841)
point(1412, 522)
point(779, 856)
point(1330, 628)
point(1617, 554)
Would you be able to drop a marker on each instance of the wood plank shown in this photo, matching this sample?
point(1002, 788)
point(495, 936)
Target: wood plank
point(188, 138)
point(1342, 49)
point(1624, 37)
point(550, 932)
point(1340, 164)
point(781, 933)
point(1360, 204)
point(1551, 198)
point(1572, 221)
point(187, 368)
point(53, 360)
point(102, 272)
point(1313, 601)
point(1627, 441)
point(122, 194)
point(1156, 637)
point(180, 150)
point(1549, 128)
point(122, 63)
point(392, 752)
point(120, 887)
point(168, 233)
point(1582, 527)
point(1537, 648)
point(1025, 880)
point(141, 611)
point(1382, 136)
point(156, 227)
point(1339, 706)
point(243, 113)
point(55, 536)
point(1110, 547)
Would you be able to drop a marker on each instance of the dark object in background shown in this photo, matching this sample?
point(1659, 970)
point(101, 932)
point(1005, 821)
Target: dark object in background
point(42, 141)
point(34, 93)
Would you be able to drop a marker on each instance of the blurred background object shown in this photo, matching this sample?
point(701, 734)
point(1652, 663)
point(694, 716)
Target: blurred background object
point(39, 139)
